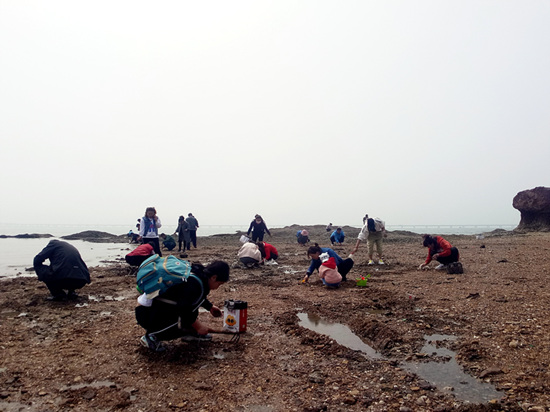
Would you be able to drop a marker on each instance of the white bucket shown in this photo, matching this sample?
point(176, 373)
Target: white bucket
point(244, 239)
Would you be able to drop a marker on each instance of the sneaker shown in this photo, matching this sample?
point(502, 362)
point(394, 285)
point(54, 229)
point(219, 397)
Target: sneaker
point(380, 262)
point(440, 267)
point(197, 338)
point(371, 262)
point(151, 342)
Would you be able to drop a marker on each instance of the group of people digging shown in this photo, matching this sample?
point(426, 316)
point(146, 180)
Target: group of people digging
point(175, 314)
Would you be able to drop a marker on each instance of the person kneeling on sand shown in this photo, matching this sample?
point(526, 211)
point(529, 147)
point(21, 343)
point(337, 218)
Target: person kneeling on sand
point(249, 254)
point(302, 236)
point(67, 270)
point(168, 241)
point(137, 256)
point(440, 250)
point(314, 252)
point(269, 252)
point(175, 313)
point(328, 273)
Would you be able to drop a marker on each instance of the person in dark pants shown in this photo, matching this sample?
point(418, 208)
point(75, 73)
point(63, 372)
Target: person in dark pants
point(193, 226)
point(184, 239)
point(66, 272)
point(137, 256)
point(337, 236)
point(148, 231)
point(343, 265)
point(440, 250)
point(258, 227)
point(175, 313)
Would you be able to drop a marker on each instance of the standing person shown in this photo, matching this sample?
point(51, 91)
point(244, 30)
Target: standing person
point(269, 252)
point(337, 236)
point(175, 313)
point(183, 234)
point(137, 256)
point(67, 271)
point(257, 227)
point(373, 231)
point(148, 231)
point(249, 254)
point(440, 250)
point(193, 226)
point(314, 253)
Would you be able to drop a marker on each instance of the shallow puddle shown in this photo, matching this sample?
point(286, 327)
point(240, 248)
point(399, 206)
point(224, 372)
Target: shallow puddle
point(340, 333)
point(447, 374)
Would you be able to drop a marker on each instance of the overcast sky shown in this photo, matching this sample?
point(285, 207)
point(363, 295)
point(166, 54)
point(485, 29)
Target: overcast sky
point(419, 112)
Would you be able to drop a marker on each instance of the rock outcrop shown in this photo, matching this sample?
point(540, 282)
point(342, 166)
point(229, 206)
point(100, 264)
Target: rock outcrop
point(534, 206)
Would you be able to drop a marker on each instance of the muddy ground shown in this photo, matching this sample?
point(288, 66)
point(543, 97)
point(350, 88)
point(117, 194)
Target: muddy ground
point(86, 356)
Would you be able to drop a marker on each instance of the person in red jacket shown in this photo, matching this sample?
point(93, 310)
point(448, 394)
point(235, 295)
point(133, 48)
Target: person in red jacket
point(440, 250)
point(137, 256)
point(268, 251)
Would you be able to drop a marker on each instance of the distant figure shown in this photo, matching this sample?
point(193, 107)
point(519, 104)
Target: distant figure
point(138, 224)
point(133, 237)
point(193, 226)
point(174, 315)
point(137, 256)
point(329, 227)
point(302, 236)
point(257, 227)
point(373, 231)
point(314, 252)
point(269, 252)
point(337, 236)
point(168, 241)
point(249, 254)
point(184, 238)
point(148, 231)
point(440, 250)
point(66, 272)
point(365, 219)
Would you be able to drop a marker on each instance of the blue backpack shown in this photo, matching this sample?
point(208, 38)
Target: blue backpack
point(156, 274)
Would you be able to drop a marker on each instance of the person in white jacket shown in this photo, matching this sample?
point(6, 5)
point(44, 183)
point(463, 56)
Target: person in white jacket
point(148, 229)
point(249, 254)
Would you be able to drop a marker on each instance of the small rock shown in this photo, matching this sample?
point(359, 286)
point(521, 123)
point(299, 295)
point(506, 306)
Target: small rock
point(42, 393)
point(316, 378)
point(415, 388)
point(405, 409)
point(4, 395)
point(89, 395)
point(490, 371)
point(421, 401)
point(349, 400)
point(514, 344)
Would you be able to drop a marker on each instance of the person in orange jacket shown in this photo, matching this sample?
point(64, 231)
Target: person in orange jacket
point(440, 250)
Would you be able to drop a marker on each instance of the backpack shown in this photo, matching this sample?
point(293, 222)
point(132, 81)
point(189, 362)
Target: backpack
point(375, 225)
point(455, 268)
point(156, 274)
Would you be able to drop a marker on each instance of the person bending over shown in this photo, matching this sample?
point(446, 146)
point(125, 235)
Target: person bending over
point(314, 253)
point(440, 250)
point(66, 272)
point(269, 252)
point(137, 256)
point(337, 236)
point(174, 314)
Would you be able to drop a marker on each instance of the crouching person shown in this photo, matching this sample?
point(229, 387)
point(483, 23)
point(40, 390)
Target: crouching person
point(66, 272)
point(328, 272)
point(140, 254)
point(175, 313)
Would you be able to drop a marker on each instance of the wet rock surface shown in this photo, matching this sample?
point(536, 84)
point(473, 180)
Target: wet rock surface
point(71, 356)
point(534, 206)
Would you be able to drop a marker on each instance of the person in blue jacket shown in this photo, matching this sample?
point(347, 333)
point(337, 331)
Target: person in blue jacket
point(343, 265)
point(337, 236)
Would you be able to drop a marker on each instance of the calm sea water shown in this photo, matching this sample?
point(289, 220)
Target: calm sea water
point(17, 254)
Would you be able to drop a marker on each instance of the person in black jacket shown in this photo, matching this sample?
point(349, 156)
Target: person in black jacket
point(67, 271)
point(257, 227)
point(174, 314)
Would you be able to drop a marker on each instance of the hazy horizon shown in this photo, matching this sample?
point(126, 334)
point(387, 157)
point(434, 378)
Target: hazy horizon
point(307, 112)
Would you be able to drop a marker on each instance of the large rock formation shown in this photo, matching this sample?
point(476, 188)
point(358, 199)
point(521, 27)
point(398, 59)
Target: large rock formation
point(534, 206)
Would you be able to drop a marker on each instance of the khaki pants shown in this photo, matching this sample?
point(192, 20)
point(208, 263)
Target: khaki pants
point(375, 238)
